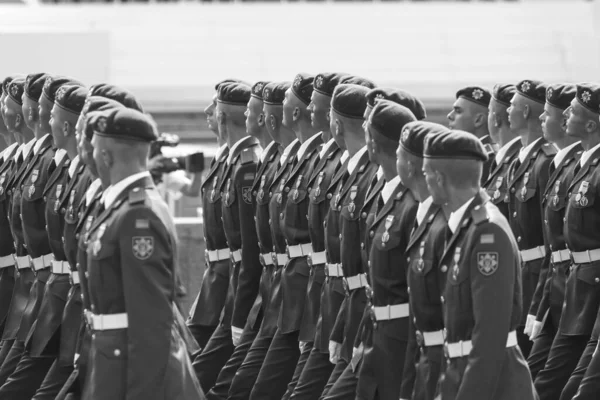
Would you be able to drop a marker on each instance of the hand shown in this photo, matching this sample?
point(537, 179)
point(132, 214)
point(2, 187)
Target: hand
point(529, 324)
point(302, 345)
point(155, 162)
point(536, 329)
point(334, 351)
point(236, 334)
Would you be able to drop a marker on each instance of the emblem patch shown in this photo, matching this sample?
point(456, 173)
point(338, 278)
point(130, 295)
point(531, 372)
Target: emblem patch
point(247, 194)
point(143, 247)
point(487, 263)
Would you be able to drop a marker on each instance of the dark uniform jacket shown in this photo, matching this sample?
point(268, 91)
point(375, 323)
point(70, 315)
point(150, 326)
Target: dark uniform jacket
point(294, 277)
point(238, 221)
point(131, 256)
point(555, 203)
point(209, 303)
point(582, 219)
point(490, 149)
point(260, 192)
point(482, 303)
point(382, 363)
point(350, 202)
point(527, 185)
point(496, 183)
point(426, 280)
point(277, 197)
point(317, 213)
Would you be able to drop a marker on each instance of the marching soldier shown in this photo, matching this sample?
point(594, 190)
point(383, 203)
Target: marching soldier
point(528, 176)
point(267, 166)
point(576, 339)
point(426, 280)
point(558, 99)
point(388, 235)
point(238, 212)
point(509, 144)
point(482, 296)
point(274, 194)
point(131, 252)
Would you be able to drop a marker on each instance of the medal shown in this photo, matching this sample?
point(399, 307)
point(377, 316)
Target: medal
point(227, 189)
point(525, 181)
point(352, 206)
point(71, 201)
point(97, 244)
point(298, 182)
point(261, 191)
point(214, 189)
point(280, 195)
point(319, 181)
point(386, 235)
point(556, 190)
point(420, 263)
point(581, 198)
point(57, 202)
point(455, 269)
point(34, 175)
point(31, 190)
point(497, 193)
point(88, 222)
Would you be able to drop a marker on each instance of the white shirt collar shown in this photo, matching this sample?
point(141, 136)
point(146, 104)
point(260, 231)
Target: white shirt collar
point(326, 148)
point(220, 151)
point(265, 151)
point(91, 191)
point(526, 150)
point(389, 188)
point(344, 156)
point(502, 152)
point(73, 166)
point(355, 158)
point(286, 152)
point(379, 173)
point(587, 154)
point(305, 145)
point(423, 208)
point(562, 153)
point(115, 190)
point(27, 148)
point(39, 142)
point(232, 150)
point(457, 215)
point(59, 155)
point(8, 150)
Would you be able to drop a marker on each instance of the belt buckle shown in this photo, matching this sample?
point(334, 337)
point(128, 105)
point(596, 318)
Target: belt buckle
point(309, 260)
point(346, 286)
point(446, 351)
point(262, 260)
point(420, 338)
point(274, 258)
point(373, 317)
point(369, 294)
point(206, 257)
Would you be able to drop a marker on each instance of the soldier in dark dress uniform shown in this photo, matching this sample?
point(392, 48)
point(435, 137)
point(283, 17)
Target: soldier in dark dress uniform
point(482, 296)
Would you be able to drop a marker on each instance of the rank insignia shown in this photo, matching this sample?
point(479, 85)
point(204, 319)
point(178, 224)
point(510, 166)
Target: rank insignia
point(34, 175)
point(455, 268)
point(247, 194)
point(385, 237)
point(497, 193)
point(487, 263)
point(352, 206)
point(143, 247)
point(586, 96)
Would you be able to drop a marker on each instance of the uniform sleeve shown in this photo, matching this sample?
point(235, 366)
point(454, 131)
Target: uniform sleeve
point(545, 300)
point(337, 332)
point(250, 268)
point(362, 327)
point(146, 252)
point(409, 373)
point(492, 300)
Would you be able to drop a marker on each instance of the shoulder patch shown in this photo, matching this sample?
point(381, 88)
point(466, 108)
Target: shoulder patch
point(487, 262)
point(549, 149)
point(137, 195)
point(479, 214)
point(248, 155)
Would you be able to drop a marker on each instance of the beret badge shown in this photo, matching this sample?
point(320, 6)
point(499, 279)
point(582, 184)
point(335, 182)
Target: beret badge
point(259, 87)
point(47, 84)
point(101, 124)
point(525, 87)
point(380, 96)
point(586, 96)
point(14, 90)
point(267, 94)
point(297, 81)
point(319, 81)
point(477, 94)
point(404, 136)
point(61, 93)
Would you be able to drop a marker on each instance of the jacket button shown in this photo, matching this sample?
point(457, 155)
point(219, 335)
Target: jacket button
point(362, 245)
point(565, 219)
point(514, 214)
point(280, 215)
point(444, 268)
point(77, 236)
point(254, 193)
point(512, 190)
point(596, 279)
point(340, 236)
point(269, 221)
point(255, 218)
point(546, 221)
point(329, 195)
point(287, 189)
point(442, 299)
point(46, 228)
point(21, 216)
point(77, 265)
point(408, 290)
point(45, 199)
point(371, 234)
point(324, 224)
point(117, 352)
point(363, 215)
point(519, 239)
point(339, 208)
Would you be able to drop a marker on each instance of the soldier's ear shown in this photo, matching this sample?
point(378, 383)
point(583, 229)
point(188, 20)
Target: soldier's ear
point(497, 121)
point(66, 128)
point(273, 122)
point(18, 120)
point(107, 158)
point(296, 114)
point(339, 127)
point(261, 120)
point(480, 120)
point(526, 111)
point(591, 126)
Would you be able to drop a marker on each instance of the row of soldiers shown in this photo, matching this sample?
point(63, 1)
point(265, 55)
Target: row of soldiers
point(354, 250)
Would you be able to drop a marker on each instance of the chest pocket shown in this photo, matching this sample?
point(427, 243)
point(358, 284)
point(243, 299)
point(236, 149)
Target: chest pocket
point(229, 194)
point(527, 189)
point(583, 196)
point(33, 190)
point(388, 235)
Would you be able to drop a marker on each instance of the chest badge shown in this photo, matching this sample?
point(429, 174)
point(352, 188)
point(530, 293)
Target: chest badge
point(319, 182)
point(97, 246)
point(298, 183)
point(34, 175)
point(352, 206)
point(385, 237)
point(581, 197)
point(487, 263)
point(142, 247)
point(497, 193)
point(420, 262)
point(455, 268)
point(525, 182)
point(261, 190)
point(58, 193)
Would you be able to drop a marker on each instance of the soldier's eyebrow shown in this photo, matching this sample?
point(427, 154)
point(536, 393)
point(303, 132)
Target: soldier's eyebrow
point(457, 108)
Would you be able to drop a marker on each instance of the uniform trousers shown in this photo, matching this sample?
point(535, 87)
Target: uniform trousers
point(339, 368)
point(13, 356)
point(590, 384)
point(304, 354)
point(541, 347)
point(213, 357)
point(6, 346)
point(576, 377)
point(247, 373)
point(314, 376)
point(221, 388)
point(202, 334)
point(53, 382)
point(27, 378)
point(278, 367)
point(525, 344)
point(429, 370)
point(345, 386)
point(562, 360)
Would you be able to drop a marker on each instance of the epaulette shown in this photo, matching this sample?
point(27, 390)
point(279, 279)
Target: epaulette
point(248, 155)
point(489, 149)
point(137, 195)
point(479, 215)
point(549, 149)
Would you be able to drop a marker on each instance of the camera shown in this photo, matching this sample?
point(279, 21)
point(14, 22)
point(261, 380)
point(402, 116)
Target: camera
point(192, 163)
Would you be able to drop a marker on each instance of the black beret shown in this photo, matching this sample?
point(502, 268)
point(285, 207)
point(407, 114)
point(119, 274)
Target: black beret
point(455, 144)
point(533, 90)
point(357, 80)
point(71, 98)
point(476, 94)
point(303, 87)
point(6, 81)
point(54, 82)
point(414, 134)
point(274, 92)
point(326, 82)
point(230, 80)
point(16, 88)
point(398, 96)
point(233, 93)
point(257, 89)
point(561, 95)
point(503, 93)
point(34, 84)
point(99, 103)
point(116, 93)
point(588, 95)
point(350, 101)
point(388, 118)
point(125, 123)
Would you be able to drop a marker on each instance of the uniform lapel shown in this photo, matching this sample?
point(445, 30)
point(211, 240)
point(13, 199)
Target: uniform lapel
point(397, 195)
point(424, 225)
point(273, 151)
point(57, 173)
point(360, 167)
point(525, 164)
point(72, 182)
point(593, 160)
point(323, 161)
point(569, 157)
point(375, 190)
point(508, 157)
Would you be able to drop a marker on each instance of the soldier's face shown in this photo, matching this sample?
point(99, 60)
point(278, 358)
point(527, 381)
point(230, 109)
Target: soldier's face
point(553, 123)
point(577, 119)
point(57, 124)
point(403, 167)
point(45, 108)
point(30, 110)
point(254, 117)
point(369, 141)
point(434, 183)
point(11, 111)
point(288, 109)
point(3, 128)
point(211, 116)
point(462, 116)
point(101, 160)
point(516, 113)
point(493, 108)
point(337, 129)
point(319, 111)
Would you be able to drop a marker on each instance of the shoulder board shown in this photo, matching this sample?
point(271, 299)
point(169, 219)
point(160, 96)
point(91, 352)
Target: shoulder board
point(248, 155)
point(549, 149)
point(489, 149)
point(137, 195)
point(479, 215)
